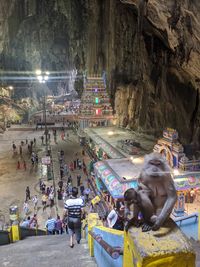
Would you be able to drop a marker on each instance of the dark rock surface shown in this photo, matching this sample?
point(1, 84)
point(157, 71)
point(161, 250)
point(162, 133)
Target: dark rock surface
point(149, 49)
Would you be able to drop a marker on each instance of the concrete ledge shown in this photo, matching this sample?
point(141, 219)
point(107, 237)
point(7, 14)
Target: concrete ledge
point(165, 247)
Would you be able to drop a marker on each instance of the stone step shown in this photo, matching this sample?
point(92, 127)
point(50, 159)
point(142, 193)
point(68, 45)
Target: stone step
point(46, 251)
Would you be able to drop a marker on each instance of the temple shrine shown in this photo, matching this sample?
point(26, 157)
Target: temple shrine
point(173, 151)
point(95, 108)
point(186, 171)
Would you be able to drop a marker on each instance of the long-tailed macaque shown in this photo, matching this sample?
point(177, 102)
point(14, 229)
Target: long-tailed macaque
point(155, 196)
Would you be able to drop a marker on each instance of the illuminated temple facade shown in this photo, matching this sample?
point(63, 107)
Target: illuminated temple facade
point(95, 109)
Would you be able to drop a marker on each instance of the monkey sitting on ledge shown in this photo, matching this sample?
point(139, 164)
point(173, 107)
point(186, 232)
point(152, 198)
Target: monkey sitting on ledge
point(155, 196)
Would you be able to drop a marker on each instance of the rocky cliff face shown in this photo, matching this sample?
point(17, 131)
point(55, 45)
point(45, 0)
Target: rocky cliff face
point(149, 50)
point(167, 94)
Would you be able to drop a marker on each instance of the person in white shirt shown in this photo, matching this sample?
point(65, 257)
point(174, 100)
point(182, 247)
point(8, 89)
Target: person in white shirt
point(115, 219)
point(112, 218)
point(35, 201)
point(26, 207)
point(73, 212)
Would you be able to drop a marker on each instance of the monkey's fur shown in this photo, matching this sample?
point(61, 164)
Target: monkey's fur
point(155, 196)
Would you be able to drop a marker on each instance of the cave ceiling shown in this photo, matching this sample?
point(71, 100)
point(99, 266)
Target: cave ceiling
point(150, 51)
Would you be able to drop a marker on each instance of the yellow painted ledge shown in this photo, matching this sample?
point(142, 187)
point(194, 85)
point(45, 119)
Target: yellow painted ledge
point(111, 231)
point(15, 232)
point(93, 220)
point(163, 248)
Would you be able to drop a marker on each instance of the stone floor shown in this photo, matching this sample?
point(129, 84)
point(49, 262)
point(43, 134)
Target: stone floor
point(46, 251)
point(13, 182)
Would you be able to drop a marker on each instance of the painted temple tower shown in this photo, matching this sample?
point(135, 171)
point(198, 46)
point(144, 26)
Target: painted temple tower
point(95, 108)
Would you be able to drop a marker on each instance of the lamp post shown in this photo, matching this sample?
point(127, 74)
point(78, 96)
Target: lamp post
point(42, 78)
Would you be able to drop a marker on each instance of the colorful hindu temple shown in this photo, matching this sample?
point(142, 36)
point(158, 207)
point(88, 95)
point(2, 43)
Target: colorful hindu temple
point(186, 171)
point(116, 173)
point(95, 109)
point(115, 176)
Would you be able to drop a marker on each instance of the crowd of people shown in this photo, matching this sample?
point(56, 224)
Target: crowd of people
point(74, 198)
point(64, 191)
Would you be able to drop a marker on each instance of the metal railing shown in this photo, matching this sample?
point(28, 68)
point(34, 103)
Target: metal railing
point(193, 215)
point(114, 252)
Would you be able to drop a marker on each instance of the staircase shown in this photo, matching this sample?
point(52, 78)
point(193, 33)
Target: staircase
point(46, 251)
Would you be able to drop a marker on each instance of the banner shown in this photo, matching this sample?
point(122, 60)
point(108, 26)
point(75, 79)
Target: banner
point(95, 200)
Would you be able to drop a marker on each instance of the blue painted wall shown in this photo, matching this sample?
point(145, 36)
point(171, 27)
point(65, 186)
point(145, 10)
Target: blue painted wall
point(189, 227)
point(101, 256)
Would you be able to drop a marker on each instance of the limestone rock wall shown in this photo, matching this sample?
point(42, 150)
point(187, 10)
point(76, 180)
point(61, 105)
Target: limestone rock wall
point(148, 48)
point(169, 70)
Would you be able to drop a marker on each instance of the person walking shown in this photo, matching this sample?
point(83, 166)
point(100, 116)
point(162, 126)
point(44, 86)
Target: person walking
point(14, 148)
point(33, 160)
point(60, 184)
point(82, 188)
point(31, 144)
point(87, 192)
point(36, 159)
point(61, 172)
point(79, 164)
point(28, 193)
point(51, 199)
point(78, 180)
point(74, 164)
point(42, 138)
point(59, 226)
point(71, 166)
point(24, 165)
point(20, 151)
point(73, 211)
point(65, 170)
point(44, 201)
point(35, 202)
point(33, 222)
point(29, 149)
point(50, 225)
point(18, 165)
point(25, 207)
point(69, 179)
point(60, 194)
point(63, 136)
point(85, 169)
point(43, 187)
